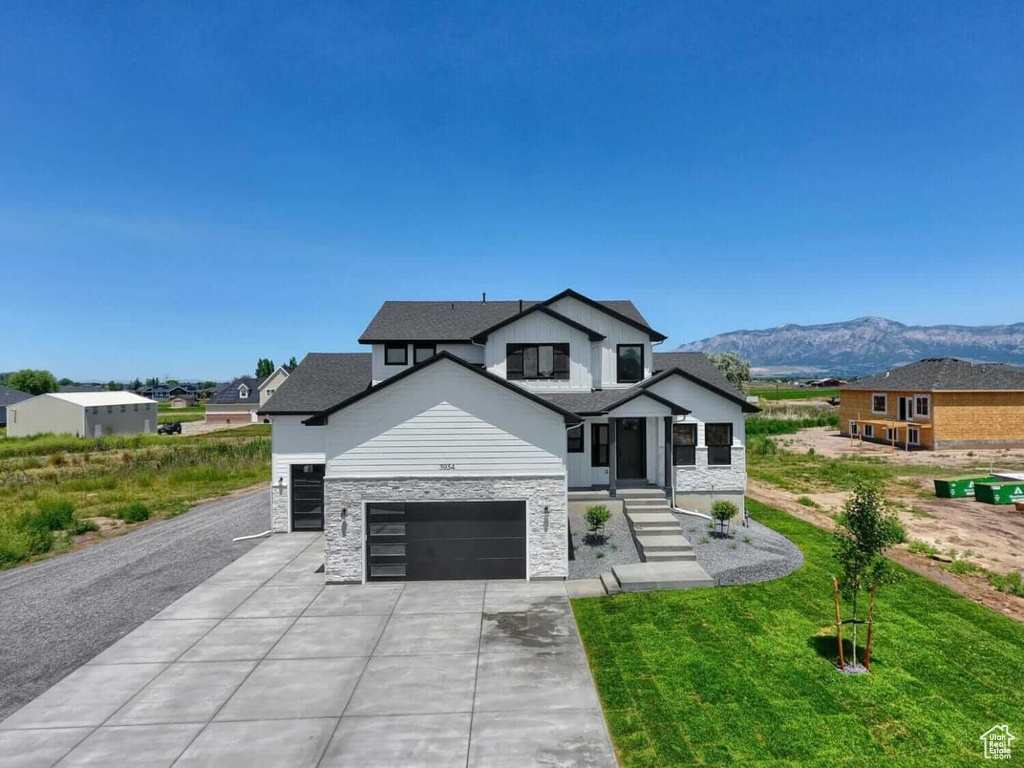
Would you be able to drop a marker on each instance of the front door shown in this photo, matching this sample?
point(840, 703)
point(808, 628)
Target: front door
point(307, 497)
point(631, 449)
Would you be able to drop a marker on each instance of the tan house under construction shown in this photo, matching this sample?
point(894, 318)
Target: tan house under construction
point(937, 403)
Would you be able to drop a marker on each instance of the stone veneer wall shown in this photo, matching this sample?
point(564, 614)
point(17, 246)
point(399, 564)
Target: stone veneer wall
point(279, 521)
point(547, 535)
point(697, 484)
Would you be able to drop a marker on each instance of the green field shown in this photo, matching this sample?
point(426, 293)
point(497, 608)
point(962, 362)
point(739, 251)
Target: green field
point(193, 413)
point(789, 393)
point(746, 675)
point(55, 487)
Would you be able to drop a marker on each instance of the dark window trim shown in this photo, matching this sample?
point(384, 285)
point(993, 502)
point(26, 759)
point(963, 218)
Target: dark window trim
point(596, 444)
point(618, 364)
point(719, 455)
point(418, 345)
point(519, 348)
point(574, 439)
point(684, 455)
point(403, 345)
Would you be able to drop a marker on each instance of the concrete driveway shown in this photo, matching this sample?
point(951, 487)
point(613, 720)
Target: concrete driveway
point(262, 665)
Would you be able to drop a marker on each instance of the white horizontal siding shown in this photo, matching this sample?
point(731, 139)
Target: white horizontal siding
point(538, 328)
point(615, 331)
point(471, 353)
point(445, 415)
point(704, 405)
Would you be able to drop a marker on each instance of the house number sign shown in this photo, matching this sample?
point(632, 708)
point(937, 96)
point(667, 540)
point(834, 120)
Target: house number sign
point(446, 466)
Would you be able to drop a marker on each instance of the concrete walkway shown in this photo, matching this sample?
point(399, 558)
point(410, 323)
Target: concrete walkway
point(262, 665)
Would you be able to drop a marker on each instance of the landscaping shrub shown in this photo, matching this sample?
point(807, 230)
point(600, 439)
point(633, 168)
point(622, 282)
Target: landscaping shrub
point(722, 512)
point(134, 513)
point(597, 516)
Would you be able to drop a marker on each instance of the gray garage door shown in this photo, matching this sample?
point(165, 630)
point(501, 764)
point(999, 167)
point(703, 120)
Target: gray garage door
point(446, 540)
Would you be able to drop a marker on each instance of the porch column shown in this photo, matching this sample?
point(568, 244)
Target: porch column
point(668, 457)
point(612, 455)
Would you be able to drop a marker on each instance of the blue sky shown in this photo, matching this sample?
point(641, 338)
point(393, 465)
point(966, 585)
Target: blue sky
point(187, 187)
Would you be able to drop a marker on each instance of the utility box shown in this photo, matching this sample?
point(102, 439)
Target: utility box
point(961, 487)
point(999, 492)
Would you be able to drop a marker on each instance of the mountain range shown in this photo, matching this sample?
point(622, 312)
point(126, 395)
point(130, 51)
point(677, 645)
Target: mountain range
point(863, 346)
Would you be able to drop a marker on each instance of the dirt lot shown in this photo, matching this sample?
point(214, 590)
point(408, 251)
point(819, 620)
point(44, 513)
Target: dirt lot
point(972, 587)
point(991, 536)
point(828, 442)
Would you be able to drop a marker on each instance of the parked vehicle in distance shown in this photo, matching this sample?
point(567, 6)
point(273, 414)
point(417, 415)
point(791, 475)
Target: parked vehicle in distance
point(170, 428)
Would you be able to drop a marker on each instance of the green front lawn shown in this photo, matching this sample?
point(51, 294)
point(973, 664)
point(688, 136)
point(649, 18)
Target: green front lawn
point(746, 674)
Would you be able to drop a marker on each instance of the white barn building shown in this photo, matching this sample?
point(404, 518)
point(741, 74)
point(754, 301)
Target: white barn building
point(83, 414)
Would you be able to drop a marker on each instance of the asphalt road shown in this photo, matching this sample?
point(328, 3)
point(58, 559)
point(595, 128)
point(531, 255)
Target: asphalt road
point(57, 614)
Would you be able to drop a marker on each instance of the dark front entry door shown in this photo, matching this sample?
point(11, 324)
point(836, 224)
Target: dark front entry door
point(631, 449)
point(446, 540)
point(307, 497)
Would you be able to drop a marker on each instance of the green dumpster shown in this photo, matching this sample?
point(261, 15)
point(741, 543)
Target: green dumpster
point(1000, 491)
point(960, 487)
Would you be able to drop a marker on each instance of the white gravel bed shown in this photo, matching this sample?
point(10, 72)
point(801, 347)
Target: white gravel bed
point(749, 553)
point(593, 560)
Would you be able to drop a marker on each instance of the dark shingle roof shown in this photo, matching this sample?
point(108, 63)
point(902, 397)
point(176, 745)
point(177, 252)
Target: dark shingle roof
point(604, 400)
point(459, 320)
point(321, 418)
point(945, 373)
point(321, 380)
point(10, 396)
point(698, 367)
point(229, 394)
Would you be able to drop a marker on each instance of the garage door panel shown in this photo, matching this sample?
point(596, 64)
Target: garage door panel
point(447, 540)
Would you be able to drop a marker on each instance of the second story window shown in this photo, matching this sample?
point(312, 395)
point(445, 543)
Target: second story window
point(422, 352)
point(629, 363)
point(243, 392)
point(396, 354)
point(525, 362)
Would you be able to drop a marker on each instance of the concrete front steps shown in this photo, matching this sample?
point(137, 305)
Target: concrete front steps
point(669, 559)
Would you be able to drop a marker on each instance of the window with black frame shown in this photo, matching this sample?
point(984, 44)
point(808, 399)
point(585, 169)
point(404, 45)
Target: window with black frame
point(422, 352)
point(629, 365)
point(718, 439)
point(575, 439)
point(599, 445)
point(532, 362)
point(396, 353)
point(684, 445)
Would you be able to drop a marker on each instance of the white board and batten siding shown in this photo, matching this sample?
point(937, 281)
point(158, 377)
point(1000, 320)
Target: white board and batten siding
point(471, 353)
point(538, 328)
point(445, 420)
point(704, 405)
point(603, 355)
point(294, 444)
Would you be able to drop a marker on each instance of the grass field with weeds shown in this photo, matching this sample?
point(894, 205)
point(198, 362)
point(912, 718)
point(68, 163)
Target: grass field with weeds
point(746, 675)
point(54, 488)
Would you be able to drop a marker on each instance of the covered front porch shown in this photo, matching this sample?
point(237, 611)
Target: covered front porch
point(618, 454)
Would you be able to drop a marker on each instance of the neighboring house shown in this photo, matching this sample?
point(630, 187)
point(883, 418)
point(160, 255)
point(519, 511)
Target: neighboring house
point(182, 401)
point(937, 403)
point(83, 414)
point(163, 392)
point(8, 397)
point(453, 448)
point(235, 402)
point(273, 381)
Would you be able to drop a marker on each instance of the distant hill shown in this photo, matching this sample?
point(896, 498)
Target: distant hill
point(865, 345)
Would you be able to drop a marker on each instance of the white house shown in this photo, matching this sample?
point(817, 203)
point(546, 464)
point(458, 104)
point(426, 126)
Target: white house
point(83, 414)
point(452, 448)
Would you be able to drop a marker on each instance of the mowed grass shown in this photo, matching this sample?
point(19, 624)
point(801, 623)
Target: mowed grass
point(791, 393)
point(104, 478)
point(193, 413)
point(746, 675)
